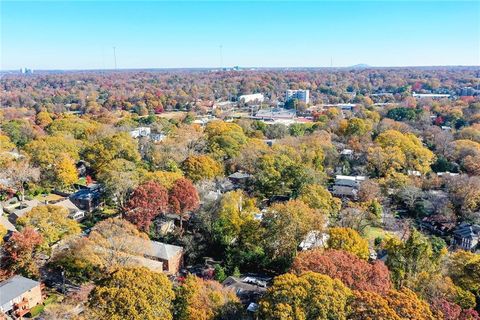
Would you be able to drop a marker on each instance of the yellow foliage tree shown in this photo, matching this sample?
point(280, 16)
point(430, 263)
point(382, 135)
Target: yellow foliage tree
point(5, 143)
point(165, 178)
point(52, 222)
point(201, 167)
point(65, 171)
point(134, 294)
point(309, 296)
point(198, 299)
point(402, 151)
point(317, 197)
point(349, 240)
point(408, 305)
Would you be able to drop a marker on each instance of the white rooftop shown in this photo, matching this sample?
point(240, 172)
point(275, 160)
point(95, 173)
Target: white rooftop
point(352, 178)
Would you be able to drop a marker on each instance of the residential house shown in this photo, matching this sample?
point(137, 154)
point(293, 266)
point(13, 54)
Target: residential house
point(437, 225)
point(158, 137)
point(430, 95)
point(247, 289)
point(19, 209)
point(159, 256)
point(314, 239)
point(18, 295)
point(347, 186)
point(74, 212)
point(466, 236)
point(170, 255)
point(239, 179)
point(347, 154)
point(140, 132)
point(88, 199)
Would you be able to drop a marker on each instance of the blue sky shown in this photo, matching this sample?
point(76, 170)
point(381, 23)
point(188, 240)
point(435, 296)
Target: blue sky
point(160, 34)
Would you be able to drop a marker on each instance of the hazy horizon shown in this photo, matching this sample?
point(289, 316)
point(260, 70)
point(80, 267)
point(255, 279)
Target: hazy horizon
point(78, 35)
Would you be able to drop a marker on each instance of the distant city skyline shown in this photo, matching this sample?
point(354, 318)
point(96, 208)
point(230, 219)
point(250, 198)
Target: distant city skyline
point(157, 34)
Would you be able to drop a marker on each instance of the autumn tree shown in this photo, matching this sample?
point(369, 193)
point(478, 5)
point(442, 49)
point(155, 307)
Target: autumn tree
point(463, 267)
point(165, 178)
point(181, 142)
point(43, 119)
point(19, 254)
point(52, 222)
point(56, 157)
point(367, 305)
point(108, 148)
point(398, 151)
point(65, 172)
point(406, 259)
point(79, 128)
point(360, 216)
point(3, 233)
point(408, 305)
point(464, 192)
point(349, 240)
point(19, 131)
point(309, 296)
point(198, 299)
point(19, 172)
point(183, 198)
point(120, 178)
point(46, 150)
point(201, 167)
point(235, 209)
point(357, 127)
point(369, 190)
point(354, 272)
point(286, 225)
point(225, 139)
point(113, 243)
point(317, 197)
point(132, 293)
point(147, 201)
point(5, 143)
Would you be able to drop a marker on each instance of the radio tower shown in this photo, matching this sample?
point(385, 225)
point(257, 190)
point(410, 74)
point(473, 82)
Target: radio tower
point(221, 57)
point(115, 58)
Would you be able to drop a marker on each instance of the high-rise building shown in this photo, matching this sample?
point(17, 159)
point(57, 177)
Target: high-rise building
point(300, 95)
point(26, 71)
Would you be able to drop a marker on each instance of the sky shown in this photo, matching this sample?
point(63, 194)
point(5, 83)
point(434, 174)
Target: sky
point(161, 34)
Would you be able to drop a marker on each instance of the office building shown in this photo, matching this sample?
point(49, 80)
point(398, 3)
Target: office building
point(300, 95)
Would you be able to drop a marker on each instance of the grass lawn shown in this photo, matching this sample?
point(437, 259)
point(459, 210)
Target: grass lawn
point(82, 181)
point(375, 232)
point(48, 197)
point(172, 115)
point(35, 311)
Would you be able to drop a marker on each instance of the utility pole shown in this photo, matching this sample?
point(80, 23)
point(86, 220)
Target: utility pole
point(115, 57)
point(63, 281)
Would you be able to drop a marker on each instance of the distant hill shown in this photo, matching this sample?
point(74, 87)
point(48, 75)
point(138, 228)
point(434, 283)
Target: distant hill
point(361, 66)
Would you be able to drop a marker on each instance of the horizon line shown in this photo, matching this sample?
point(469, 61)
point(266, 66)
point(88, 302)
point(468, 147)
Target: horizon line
point(247, 68)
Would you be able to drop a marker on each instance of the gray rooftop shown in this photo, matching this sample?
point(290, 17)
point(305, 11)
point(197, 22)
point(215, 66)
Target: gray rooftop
point(165, 251)
point(465, 230)
point(239, 175)
point(14, 287)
